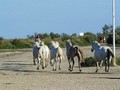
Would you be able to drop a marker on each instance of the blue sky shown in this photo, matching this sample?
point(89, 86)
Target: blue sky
point(18, 18)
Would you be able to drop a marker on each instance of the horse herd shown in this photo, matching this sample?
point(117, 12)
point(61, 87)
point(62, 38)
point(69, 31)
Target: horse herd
point(43, 55)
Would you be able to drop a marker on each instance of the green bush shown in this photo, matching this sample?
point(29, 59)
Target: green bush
point(21, 43)
point(118, 61)
point(89, 62)
point(5, 44)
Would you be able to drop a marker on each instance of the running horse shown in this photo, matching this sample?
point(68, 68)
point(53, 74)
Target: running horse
point(41, 55)
point(102, 54)
point(56, 55)
point(71, 52)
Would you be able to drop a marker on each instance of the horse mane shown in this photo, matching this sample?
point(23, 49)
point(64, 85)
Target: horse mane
point(96, 44)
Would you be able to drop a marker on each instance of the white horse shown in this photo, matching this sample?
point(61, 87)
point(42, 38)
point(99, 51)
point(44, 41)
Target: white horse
point(41, 53)
point(56, 54)
point(102, 54)
point(36, 48)
point(44, 55)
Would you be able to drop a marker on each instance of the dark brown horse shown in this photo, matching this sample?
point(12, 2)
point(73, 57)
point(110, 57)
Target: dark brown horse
point(71, 52)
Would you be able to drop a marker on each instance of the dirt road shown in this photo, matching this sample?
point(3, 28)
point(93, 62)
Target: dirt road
point(17, 72)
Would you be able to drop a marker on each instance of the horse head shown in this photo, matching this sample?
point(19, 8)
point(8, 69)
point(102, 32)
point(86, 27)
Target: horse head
point(54, 44)
point(42, 44)
point(37, 44)
point(68, 42)
point(95, 45)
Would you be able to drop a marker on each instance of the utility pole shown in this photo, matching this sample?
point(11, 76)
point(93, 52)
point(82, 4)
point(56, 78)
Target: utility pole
point(113, 22)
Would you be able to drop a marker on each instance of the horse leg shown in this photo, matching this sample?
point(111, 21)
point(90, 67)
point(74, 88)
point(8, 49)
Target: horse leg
point(38, 63)
point(55, 64)
point(79, 63)
point(101, 63)
point(46, 63)
point(69, 65)
point(34, 62)
point(106, 66)
point(72, 64)
point(97, 65)
point(108, 63)
point(51, 62)
point(69, 60)
point(43, 63)
point(60, 63)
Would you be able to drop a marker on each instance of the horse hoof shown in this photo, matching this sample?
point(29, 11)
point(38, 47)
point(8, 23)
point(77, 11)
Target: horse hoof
point(42, 67)
point(96, 71)
point(59, 68)
point(34, 63)
point(71, 70)
point(54, 69)
point(46, 65)
point(51, 64)
point(107, 70)
point(37, 68)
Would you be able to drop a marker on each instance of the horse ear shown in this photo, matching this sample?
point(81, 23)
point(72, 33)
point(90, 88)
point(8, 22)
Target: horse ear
point(96, 41)
point(66, 41)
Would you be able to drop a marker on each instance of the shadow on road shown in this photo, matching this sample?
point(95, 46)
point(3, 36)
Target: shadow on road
point(106, 77)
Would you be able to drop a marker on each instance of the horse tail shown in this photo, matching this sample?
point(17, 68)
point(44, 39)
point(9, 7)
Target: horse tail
point(110, 52)
point(40, 53)
point(60, 53)
point(82, 55)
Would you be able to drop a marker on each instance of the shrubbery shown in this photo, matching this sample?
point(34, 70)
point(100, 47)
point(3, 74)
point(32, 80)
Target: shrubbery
point(118, 61)
point(15, 43)
point(89, 62)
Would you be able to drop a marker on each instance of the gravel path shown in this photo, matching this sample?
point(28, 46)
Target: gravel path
point(17, 72)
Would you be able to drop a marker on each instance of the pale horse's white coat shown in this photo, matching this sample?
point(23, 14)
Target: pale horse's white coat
point(42, 54)
point(36, 48)
point(102, 54)
point(56, 55)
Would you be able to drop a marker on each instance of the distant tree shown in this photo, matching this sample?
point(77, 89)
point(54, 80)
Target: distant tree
point(89, 33)
point(107, 29)
point(65, 36)
point(30, 36)
point(90, 37)
point(117, 30)
point(45, 35)
point(52, 35)
point(117, 35)
point(1, 38)
point(57, 35)
point(74, 35)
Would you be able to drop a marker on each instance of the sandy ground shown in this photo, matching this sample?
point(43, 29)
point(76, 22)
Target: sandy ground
point(17, 72)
